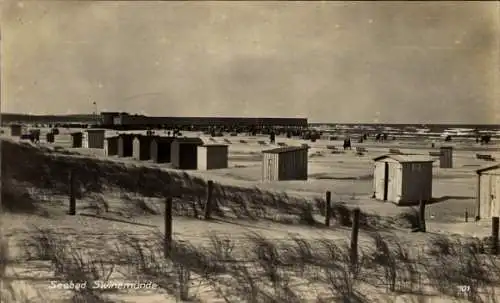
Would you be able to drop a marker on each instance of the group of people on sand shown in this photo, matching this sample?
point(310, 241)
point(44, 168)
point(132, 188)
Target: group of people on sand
point(34, 136)
point(272, 137)
point(347, 143)
point(381, 137)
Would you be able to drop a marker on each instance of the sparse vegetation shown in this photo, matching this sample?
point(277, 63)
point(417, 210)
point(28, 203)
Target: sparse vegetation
point(252, 268)
point(259, 269)
point(9, 293)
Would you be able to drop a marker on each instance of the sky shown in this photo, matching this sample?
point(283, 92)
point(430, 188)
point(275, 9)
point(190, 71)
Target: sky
point(332, 62)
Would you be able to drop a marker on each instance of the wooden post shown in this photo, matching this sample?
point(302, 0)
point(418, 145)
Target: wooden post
point(168, 227)
point(422, 216)
point(208, 204)
point(466, 216)
point(354, 238)
point(72, 193)
point(328, 208)
point(478, 197)
point(494, 235)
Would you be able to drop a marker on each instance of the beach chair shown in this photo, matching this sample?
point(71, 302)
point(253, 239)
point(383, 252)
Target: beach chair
point(395, 151)
point(486, 157)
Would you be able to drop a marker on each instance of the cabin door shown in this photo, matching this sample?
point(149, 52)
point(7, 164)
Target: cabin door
point(393, 186)
point(386, 181)
point(485, 196)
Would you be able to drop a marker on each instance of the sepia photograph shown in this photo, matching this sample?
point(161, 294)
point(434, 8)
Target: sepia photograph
point(249, 151)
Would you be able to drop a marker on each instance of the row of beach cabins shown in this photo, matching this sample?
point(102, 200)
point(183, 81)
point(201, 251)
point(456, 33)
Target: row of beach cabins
point(180, 152)
point(398, 178)
point(282, 163)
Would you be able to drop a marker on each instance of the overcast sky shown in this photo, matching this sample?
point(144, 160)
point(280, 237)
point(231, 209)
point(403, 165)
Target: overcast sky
point(408, 62)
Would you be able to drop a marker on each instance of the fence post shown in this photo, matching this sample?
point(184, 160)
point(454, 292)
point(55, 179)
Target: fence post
point(168, 226)
point(494, 235)
point(354, 238)
point(422, 216)
point(328, 208)
point(466, 216)
point(72, 193)
point(208, 204)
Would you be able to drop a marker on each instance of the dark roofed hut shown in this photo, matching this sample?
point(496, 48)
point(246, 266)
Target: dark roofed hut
point(142, 147)
point(16, 130)
point(403, 179)
point(111, 146)
point(125, 145)
point(160, 149)
point(285, 163)
point(184, 153)
point(76, 139)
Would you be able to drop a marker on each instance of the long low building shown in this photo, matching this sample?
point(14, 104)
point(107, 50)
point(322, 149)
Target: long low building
point(124, 119)
point(46, 119)
point(117, 119)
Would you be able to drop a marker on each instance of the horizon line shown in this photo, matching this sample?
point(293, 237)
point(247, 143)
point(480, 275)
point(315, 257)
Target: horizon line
point(309, 122)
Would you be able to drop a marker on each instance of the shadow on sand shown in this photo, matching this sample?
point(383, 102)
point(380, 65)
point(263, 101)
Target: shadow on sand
point(326, 176)
point(116, 220)
point(446, 198)
point(246, 225)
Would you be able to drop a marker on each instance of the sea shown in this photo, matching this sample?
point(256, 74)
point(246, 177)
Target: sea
point(458, 130)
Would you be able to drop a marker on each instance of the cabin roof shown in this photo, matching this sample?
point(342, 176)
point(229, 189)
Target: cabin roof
point(285, 149)
point(488, 168)
point(189, 140)
point(214, 145)
point(126, 135)
point(405, 158)
point(145, 137)
point(163, 138)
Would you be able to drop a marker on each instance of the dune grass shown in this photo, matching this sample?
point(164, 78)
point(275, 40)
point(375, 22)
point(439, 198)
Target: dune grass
point(257, 269)
point(9, 293)
point(250, 269)
point(47, 172)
